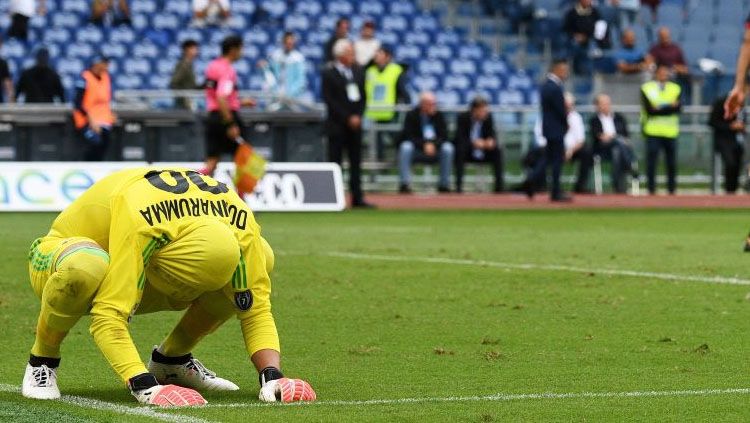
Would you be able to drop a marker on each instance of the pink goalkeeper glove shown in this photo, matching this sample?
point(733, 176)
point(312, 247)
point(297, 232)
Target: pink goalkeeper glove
point(286, 390)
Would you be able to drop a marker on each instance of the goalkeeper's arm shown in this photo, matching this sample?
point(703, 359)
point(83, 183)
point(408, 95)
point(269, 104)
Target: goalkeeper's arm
point(736, 98)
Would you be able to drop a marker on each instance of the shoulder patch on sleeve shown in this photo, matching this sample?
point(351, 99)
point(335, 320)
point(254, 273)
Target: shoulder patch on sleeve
point(243, 300)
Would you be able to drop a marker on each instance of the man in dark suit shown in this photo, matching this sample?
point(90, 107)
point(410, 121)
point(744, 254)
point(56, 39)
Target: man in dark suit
point(343, 90)
point(611, 140)
point(476, 141)
point(554, 127)
point(729, 139)
point(425, 139)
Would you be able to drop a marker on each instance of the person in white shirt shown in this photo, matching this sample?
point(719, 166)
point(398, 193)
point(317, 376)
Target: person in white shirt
point(367, 45)
point(210, 12)
point(575, 145)
point(21, 11)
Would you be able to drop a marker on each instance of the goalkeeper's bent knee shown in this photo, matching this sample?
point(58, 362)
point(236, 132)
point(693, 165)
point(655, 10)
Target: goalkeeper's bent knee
point(68, 294)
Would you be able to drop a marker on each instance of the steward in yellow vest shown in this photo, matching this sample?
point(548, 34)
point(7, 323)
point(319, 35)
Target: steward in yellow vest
point(660, 119)
point(384, 86)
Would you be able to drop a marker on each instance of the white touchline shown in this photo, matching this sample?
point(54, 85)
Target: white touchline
point(531, 266)
point(95, 404)
point(505, 397)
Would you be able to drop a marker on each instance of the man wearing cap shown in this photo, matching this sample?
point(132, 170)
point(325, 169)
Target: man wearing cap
point(92, 114)
point(223, 125)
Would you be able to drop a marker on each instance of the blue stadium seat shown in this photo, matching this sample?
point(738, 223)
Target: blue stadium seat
point(38, 22)
point(439, 51)
point(90, 34)
point(128, 82)
point(448, 97)
point(81, 7)
point(165, 67)
point(431, 66)
point(448, 37)
point(243, 7)
point(146, 49)
point(371, 8)
point(511, 97)
point(71, 66)
point(297, 23)
point(142, 6)
point(402, 8)
point(340, 8)
point(471, 51)
point(495, 66)
point(114, 50)
point(317, 37)
point(57, 35)
point(122, 34)
point(211, 51)
point(309, 7)
point(256, 36)
point(158, 82)
point(66, 20)
point(408, 52)
point(14, 49)
point(520, 80)
point(79, 50)
point(140, 21)
point(55, 51)
point(463, 66)
point(243, 66)
point(173, 51)
point(189, 34)
point(136, 66)
point(457, 82)
point(167, 21)
point(276, 8)
point(417, 37)
point(489, 82)
point(182, 7)
point(425, 22)
point(251, 52)
point(255, 82)
point(394, 23)
point(390, 38)
point(426, 83)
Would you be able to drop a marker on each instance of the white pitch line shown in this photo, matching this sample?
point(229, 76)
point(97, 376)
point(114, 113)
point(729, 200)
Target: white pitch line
point(95, 404)
point(531, 266)
point(506, 397)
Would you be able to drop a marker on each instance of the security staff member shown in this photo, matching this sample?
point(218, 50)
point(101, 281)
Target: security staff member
point(92, 116)
point(660, 118)
point(385, 86)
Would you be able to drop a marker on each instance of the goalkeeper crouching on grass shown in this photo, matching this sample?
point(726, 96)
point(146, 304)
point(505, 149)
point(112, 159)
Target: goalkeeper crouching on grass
point(144, 240)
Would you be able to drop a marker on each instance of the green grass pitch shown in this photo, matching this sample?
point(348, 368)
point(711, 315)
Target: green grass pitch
point(368, 310)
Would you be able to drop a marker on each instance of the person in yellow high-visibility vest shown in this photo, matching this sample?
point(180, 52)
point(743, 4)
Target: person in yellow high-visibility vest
point(660, 119)
point(385, 86)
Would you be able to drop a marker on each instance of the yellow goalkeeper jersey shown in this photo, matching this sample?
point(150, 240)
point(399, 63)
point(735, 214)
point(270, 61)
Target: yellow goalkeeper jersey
point(131, 214)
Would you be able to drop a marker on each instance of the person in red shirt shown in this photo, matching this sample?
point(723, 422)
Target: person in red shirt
point(223, 125)
point(665, 52)
point(736, 98)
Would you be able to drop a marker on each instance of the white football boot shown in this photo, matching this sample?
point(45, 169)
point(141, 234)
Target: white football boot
point(40, 383)
point(192, 374)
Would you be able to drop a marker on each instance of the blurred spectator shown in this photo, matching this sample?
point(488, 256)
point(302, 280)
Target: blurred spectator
point(341, 31)
point(385, 86)
point(575, 145)
point(476, 141)
point(105, 12)
point(223, 125)
point(40, 83)
point(183, 76)
point(611, 141)
point(286, 70)
point(425, 139)
point(629, 11)
point(367, 45)
point(6, 80)
point(552, 128)
point(729, 142)
point(661, 105)
point(92, 113)
point(21, 11)
point(343, 91)
point(210, 12)
point(630, 59)
point(667, 53)
point(580, 24)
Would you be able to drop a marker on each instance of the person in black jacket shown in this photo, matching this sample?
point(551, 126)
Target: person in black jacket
point(340, 32)
point(611, 140)
point(554, 128)
point(40, 83)
point(580, 23)
point(425, 138)
point(729, 139)
point(476, 141)
point(343, 91)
